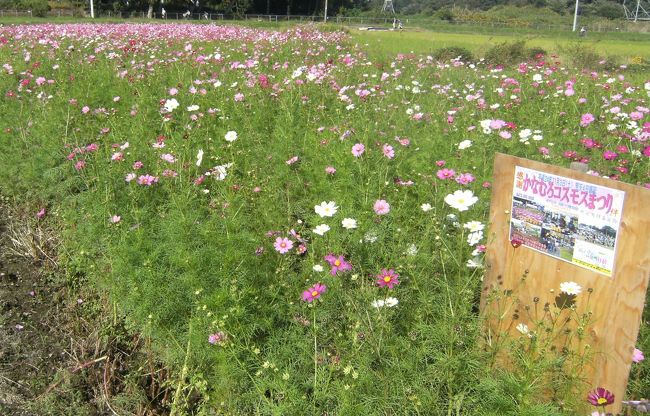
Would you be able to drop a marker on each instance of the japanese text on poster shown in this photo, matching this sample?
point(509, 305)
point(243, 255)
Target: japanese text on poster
point(567, 219)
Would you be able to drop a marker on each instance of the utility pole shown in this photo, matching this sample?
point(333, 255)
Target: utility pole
point(92, 9)
point(325, 18)
point(575, 16)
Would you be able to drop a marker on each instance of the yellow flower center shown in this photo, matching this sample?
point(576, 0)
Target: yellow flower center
point(283, 245)
point(387, 278)
point(314, 293)
point(337, 263)
point(602, 400)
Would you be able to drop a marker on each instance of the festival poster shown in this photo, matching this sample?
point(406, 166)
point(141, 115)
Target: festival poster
point(567, 219)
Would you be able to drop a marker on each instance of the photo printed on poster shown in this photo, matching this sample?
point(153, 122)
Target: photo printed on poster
point(567, 219)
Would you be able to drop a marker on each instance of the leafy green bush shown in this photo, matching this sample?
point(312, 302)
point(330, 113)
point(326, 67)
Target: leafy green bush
point(586, 57)
point(535, 52)
point(446, 13)
point(507, 53)
point(453, 52)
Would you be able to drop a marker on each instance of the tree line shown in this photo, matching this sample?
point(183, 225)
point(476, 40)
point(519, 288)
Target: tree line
point(604, 8)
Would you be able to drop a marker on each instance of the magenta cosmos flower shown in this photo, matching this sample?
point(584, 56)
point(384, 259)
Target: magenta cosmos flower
point(313, 292)
point(387, 278)
point(609, 155)
point(283, 245)
point(600, 397)
point(337, 263)
point(637, 355)
point(381, 207)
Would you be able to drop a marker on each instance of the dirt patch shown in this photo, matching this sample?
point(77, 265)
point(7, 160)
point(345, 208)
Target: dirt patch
point(63, 350)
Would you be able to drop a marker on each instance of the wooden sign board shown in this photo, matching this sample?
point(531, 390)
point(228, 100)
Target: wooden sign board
point(570, 227)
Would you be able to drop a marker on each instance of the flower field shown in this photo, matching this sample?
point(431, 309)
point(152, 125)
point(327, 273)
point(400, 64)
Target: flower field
point(299, 229)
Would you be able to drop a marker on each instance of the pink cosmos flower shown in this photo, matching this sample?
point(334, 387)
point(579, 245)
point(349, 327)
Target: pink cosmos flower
point(137, 165)
point(217, 338)
point(313, 292)
point(283, 245)
point(465, 178)
point(239, 97)
point(167, 157)
point(40, 214)
point(544, 151)
point(129, 177)
point(330, 170)
point(636, 115)
point(80, 164)
point(337, 263)
point(388, 151)
point(446, 173)
point(646, 151)
point(381, 207)
point(115, 219)
point(358, 149)
point(147, 180)
point(637, 355)
point(440, 163)
point(387, 278)
point(586, 119)
point(117, 156)
point(292, 160)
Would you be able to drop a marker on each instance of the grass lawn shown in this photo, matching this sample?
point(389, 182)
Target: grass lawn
point(425, 42)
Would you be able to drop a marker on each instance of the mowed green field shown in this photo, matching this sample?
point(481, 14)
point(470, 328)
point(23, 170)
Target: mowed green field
point(422, 42)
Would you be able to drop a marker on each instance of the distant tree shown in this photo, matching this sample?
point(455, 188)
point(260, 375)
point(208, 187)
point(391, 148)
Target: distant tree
point(38, 7)
point(609, 10)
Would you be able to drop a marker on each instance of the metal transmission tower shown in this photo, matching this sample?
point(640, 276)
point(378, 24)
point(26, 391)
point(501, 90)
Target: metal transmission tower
point(637, 10)
point(388, 6)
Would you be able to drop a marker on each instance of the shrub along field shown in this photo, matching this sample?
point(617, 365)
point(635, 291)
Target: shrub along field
point(297, 222)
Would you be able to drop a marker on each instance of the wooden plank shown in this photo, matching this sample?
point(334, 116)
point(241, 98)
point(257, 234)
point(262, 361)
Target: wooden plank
point(616, 301)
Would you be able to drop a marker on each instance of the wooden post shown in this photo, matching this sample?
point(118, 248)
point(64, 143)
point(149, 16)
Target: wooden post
point(616, 300)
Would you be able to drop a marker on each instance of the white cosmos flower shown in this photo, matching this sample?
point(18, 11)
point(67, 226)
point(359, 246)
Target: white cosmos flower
point(317, 268)
point(523, 328)
point(171, 105)
point(220, 172)
point(474, 226)
point(426, 207)
point(193, 107)
point(349, 223)
point(570, 288)
point(461, 199)
point(464, 144)
point(474, 263)
point(231, 136)
point(412, 250)
point(537, 77)
point(378, 303)
point(321, 229)
point(199, 157)
point(326, 209)
point(390, 302)
point(474, 238)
